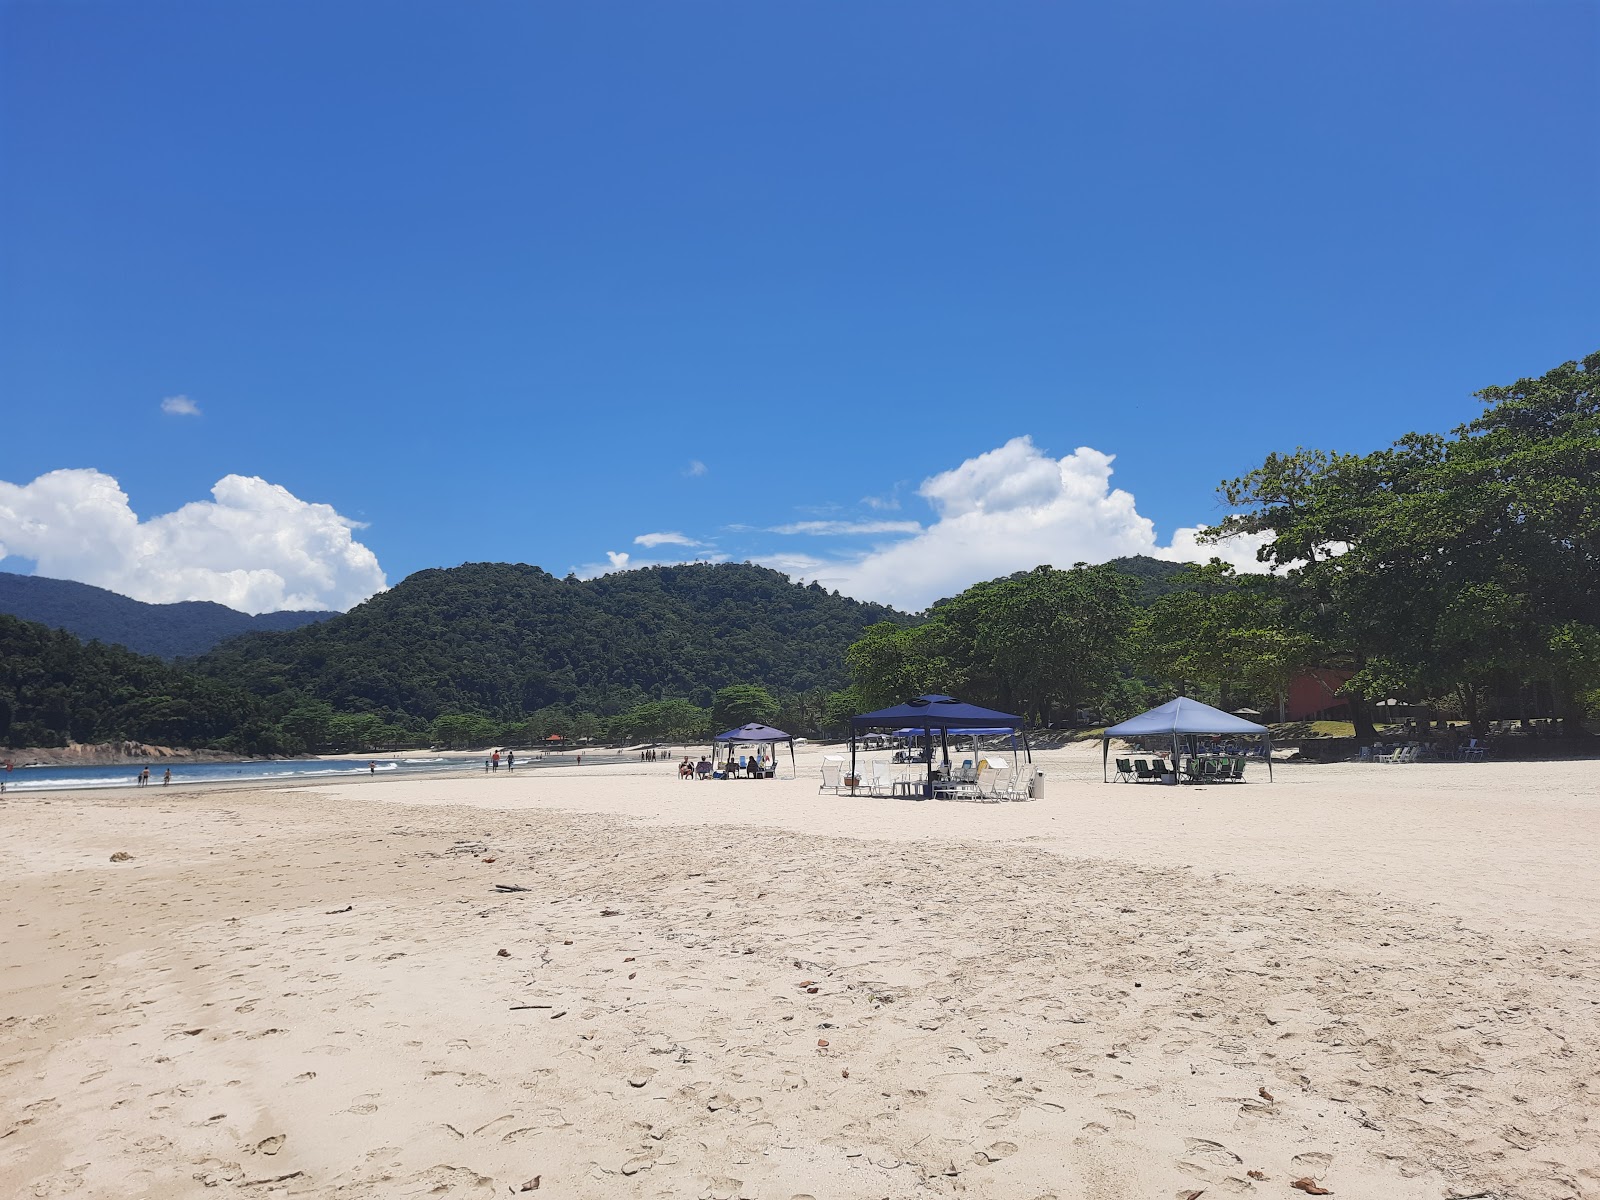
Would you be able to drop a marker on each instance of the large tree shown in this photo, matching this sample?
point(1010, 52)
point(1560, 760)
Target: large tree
point(1463, 564)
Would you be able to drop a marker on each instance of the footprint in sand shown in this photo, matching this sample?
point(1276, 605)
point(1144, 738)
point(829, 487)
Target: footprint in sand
point(271, 1145)
point(1214, 1153)
point(1312, 1162)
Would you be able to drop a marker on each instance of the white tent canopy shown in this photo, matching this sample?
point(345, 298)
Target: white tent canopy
point(1179, 718)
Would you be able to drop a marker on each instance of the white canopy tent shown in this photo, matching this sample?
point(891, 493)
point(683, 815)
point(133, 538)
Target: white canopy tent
point(1181, 718)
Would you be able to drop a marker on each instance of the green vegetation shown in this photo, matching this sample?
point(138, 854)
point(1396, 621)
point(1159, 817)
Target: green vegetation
point(55, 689)
point(1455, 568)
point(1460, 571)
point(535, 655)
point(1457, 571)
point(1042, 644)
point(167, 630)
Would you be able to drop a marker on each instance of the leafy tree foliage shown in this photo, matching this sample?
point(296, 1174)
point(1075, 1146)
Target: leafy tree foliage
point(742, 704)
point(1042, 643)
point(1462, 565)
point(55, 689)
point(1226, 634)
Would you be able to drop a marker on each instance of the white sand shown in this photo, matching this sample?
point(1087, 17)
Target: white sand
point(1381, 978)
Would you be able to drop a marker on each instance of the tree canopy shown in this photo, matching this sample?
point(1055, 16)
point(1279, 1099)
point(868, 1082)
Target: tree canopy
point(1463, 565)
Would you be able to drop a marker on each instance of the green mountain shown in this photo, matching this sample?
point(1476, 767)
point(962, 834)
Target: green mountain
point(507, 640)
point(165, 630)
point(54, 688)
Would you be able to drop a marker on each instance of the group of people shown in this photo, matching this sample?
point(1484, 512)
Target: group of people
point(143, 777)
point(492, 763)
point(754, 767)
point(648, 755)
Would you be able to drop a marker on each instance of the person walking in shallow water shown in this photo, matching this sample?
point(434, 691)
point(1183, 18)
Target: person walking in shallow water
point(167, 778)
point(144, 777)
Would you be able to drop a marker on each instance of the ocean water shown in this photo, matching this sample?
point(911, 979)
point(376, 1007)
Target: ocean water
point(55, 779)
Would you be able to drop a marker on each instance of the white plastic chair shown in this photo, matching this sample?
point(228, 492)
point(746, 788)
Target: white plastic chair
point(832, 777)
point(989, 784)
point(883, 777)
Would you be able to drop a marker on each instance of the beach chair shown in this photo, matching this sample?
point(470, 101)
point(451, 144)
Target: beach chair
point(1016, 788)
point(1194, 770)
point(832, 777)
point(1125, 770)
point(882, 778)
point(988, 784)
point(1238, 770)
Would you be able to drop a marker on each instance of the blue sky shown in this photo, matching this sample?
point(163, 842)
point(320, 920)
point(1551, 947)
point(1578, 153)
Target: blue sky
point(489, 278)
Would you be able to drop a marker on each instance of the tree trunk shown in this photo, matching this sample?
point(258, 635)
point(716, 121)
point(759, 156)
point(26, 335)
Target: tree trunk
point(1361, 718)
point(1473, 712)
point(1569, 707)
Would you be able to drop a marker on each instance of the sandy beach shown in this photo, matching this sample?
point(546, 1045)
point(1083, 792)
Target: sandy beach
point(1376, 979)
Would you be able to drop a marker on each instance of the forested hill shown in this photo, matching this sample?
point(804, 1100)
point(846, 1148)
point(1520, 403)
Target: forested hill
point(165, 630)
point(54, 688)
point(508, 639)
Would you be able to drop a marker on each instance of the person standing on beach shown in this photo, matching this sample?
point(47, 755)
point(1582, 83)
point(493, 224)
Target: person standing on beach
point(511, 759)
point(144, 777)
point(372, 768)
point(167, 778)
point(495, 759)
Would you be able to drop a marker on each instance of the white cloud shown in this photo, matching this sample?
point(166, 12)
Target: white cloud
point(823, 528)
point(254, 546)
point(695, 468)
point(652, 540)
point(1239, 551)
point(1011, 509)
point(180, 406)
point(621, 560)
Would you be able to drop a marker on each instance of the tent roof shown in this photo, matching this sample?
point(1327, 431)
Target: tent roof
point(1183, 715)
point(754, 733)
point(934, 712)
point(908, 731)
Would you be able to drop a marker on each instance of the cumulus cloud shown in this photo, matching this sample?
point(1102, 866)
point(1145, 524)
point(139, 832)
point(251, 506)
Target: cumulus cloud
point(828, 528)
point(652, 540)
point(180, 406)
point(1239, 551)
point(1011, 509)
point(695, 468)
point(254, 546)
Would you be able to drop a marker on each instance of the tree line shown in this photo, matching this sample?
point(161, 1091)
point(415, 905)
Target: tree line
point(1459, 571)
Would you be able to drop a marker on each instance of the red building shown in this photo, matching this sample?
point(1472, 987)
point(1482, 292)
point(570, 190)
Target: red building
point(1312, 696)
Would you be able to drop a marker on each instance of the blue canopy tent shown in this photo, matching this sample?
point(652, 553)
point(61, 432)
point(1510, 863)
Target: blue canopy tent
point(756, 734)
point(1181, 718)
point(925, 714)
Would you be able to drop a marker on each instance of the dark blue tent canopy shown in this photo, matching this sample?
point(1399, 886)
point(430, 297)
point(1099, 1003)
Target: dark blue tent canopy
point(924, 714)
point(934, 712)
point(757, 734)
point(754, 733)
